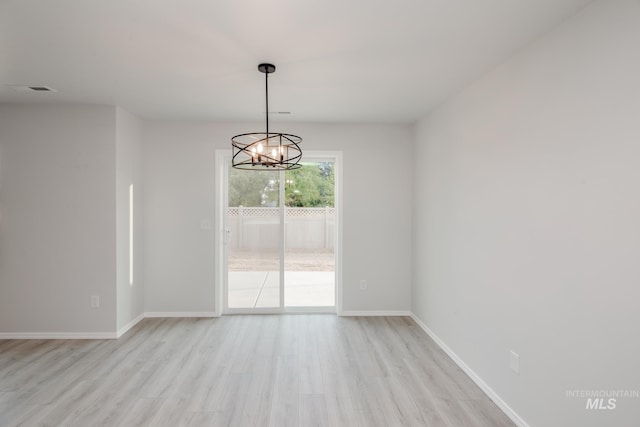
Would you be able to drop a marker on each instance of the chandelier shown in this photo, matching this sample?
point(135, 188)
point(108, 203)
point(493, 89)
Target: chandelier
point(266, 150)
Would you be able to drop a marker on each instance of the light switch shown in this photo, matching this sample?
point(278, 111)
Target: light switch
point(514, 362)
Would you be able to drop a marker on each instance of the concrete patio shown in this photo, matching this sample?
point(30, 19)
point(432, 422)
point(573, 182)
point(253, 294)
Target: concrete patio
point(260, 289)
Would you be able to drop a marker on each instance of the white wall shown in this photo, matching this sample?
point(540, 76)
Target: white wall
point(57, 222)
point(130, 297)
point(180, 189)
point(527, 220)
point(178, 183)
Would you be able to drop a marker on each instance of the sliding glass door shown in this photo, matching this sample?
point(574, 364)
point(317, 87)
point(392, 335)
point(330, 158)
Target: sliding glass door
point(254, 239)
point(309, 259)
point(280, 230)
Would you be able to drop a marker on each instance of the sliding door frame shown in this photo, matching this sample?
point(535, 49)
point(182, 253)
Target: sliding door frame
point(221, 237)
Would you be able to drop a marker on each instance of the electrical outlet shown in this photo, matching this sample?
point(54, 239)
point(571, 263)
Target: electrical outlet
point(514, 362)
point(95, 301)
point(363, 285)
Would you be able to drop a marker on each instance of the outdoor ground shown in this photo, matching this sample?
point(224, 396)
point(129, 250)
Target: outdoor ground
point(254, 279)
point(295, 260)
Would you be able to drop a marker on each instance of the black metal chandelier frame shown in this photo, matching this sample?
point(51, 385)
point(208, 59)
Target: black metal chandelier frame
point(266, 150)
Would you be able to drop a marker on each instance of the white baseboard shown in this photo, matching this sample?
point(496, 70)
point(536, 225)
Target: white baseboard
point(156, 314)
point(58, 335)
point(365, 313)
point(181, 314)
point(474, 377)
point(129, 325)
point(99, 335)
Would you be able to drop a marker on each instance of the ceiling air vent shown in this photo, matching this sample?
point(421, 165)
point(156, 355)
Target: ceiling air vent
point(28, 88)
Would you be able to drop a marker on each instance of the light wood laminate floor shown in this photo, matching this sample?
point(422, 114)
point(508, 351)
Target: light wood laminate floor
point(287, 370)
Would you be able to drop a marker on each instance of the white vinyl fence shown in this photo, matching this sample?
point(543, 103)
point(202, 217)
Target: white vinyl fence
point(257, 228)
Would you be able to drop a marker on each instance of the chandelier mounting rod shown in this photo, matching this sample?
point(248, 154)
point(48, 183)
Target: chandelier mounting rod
point(266, 69)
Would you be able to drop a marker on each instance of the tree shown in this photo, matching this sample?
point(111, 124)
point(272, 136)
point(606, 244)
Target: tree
point(312, 185)
point(252, 188)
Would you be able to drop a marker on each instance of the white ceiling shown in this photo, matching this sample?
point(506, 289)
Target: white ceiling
point(338, 60)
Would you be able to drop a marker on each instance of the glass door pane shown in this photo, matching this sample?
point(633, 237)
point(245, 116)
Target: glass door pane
point(309, 261)
point(254, 240)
